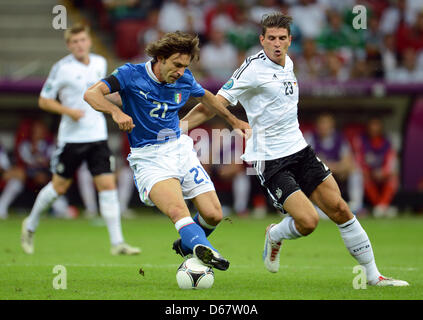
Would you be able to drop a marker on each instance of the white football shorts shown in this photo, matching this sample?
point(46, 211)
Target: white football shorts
point(172, 159)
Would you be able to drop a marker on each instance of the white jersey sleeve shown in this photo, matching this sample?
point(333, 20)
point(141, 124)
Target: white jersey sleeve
point(53, 83)
point(241, 81)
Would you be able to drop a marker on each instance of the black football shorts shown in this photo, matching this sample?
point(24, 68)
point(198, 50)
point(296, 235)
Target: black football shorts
point(68, 158)
point(284, 176)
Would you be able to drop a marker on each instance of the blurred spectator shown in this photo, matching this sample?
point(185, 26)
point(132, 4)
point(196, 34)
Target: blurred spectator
point(244, 34)
point(11, 182)
point(339, 6)
point(123, 9)
point(220, 16)
point(150, 34)
point(335, 68)
point(378, 161)
point(408, 71)
point(393, 17)
point(218, 57)
point(181, 15)
point(411, 36)
point(261, 8)
point(309, 65)
point(309, 16)
point(389, 54)
point(33, 152)
point(335, 151)
point(337, 35)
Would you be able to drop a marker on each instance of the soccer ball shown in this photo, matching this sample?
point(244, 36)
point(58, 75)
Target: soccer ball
point(193, 274)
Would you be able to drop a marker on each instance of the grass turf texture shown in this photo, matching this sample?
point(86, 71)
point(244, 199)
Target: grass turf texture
point(315, 267)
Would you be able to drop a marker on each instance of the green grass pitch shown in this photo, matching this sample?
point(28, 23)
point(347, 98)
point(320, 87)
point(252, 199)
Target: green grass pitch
point(315, 267)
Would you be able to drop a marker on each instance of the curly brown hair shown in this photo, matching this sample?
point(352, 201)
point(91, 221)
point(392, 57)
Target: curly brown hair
point(174, 42)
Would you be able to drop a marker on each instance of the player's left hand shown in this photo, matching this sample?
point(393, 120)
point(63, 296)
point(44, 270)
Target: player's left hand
point(243, 128)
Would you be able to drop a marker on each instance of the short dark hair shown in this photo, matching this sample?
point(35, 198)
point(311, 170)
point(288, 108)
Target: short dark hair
point(275, 20)
point(174, 42)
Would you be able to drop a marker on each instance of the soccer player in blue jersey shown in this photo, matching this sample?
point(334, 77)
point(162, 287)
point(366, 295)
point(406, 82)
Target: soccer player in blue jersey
point(165, 165)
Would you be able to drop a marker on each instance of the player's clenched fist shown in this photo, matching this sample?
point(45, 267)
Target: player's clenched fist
point(124, 121)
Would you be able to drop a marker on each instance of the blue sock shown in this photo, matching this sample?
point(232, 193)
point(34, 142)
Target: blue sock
point(207, 231)
point(191, 234)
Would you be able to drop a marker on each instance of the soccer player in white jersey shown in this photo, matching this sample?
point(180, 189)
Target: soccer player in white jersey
point(287, 167)
point(165, 165)
point(82, 137)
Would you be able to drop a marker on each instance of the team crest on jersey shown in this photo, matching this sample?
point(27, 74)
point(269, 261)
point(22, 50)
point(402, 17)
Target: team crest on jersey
point(178, 97)
point(228, 84)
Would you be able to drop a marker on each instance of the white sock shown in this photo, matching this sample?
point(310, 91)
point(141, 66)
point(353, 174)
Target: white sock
point(60, 207)
point(125, 187)
point(87, 190)
point(109, 209)
point(241, 191)
point(359, 246)
point(10, 192)
point(284, 230)
point(204, 223)
point(43, 201)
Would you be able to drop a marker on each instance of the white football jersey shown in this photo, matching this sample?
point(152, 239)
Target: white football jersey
point(68, 80)
point(269, 94)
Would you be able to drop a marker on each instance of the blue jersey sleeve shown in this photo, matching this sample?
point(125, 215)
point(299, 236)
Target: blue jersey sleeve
point(124, 75)
point(196, 89)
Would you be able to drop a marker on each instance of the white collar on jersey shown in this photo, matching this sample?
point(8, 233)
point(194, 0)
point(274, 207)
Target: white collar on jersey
point(150, 71)
point(276, 65)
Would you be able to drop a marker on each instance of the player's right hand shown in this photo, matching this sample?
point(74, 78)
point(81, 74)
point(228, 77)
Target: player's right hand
point(76, 114)
point(124, 121)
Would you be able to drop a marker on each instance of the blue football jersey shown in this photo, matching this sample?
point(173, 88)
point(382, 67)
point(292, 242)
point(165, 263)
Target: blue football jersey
point(152, 105)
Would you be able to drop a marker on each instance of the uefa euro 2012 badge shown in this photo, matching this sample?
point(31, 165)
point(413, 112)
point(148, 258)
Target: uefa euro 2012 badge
point(228, 84)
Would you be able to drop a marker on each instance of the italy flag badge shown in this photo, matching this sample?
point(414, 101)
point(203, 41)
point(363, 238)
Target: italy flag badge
point(178, 97)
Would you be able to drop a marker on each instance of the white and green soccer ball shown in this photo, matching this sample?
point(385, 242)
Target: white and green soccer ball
point(193, 274)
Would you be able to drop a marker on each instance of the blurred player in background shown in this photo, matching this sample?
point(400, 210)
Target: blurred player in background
point(82, 137)
point(335, 151)
point(287, 167)
point(165, 165)
point(378, 160)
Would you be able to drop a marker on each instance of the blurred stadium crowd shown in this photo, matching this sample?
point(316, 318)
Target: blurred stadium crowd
point(325, 47)
point(325, 44)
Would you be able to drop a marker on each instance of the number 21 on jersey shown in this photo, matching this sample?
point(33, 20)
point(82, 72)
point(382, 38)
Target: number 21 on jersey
point(160, 110)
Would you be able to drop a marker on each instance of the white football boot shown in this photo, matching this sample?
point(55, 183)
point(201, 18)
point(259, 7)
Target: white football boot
point(27, 238)
point(389, 282)
point(124, 249)
point(271, 252)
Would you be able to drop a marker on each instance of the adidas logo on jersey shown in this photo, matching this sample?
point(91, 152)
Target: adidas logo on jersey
point(274, 77)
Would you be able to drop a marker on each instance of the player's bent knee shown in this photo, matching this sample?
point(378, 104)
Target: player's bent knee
point(60, 189)
point(177, 212)
point(309, 226)
point(342, 212)
point(214, 218)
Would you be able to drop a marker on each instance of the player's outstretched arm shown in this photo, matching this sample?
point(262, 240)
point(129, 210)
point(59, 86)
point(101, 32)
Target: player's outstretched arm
point(197, 116)
point(95, 97)
point(216, 105)
point(54, 106)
